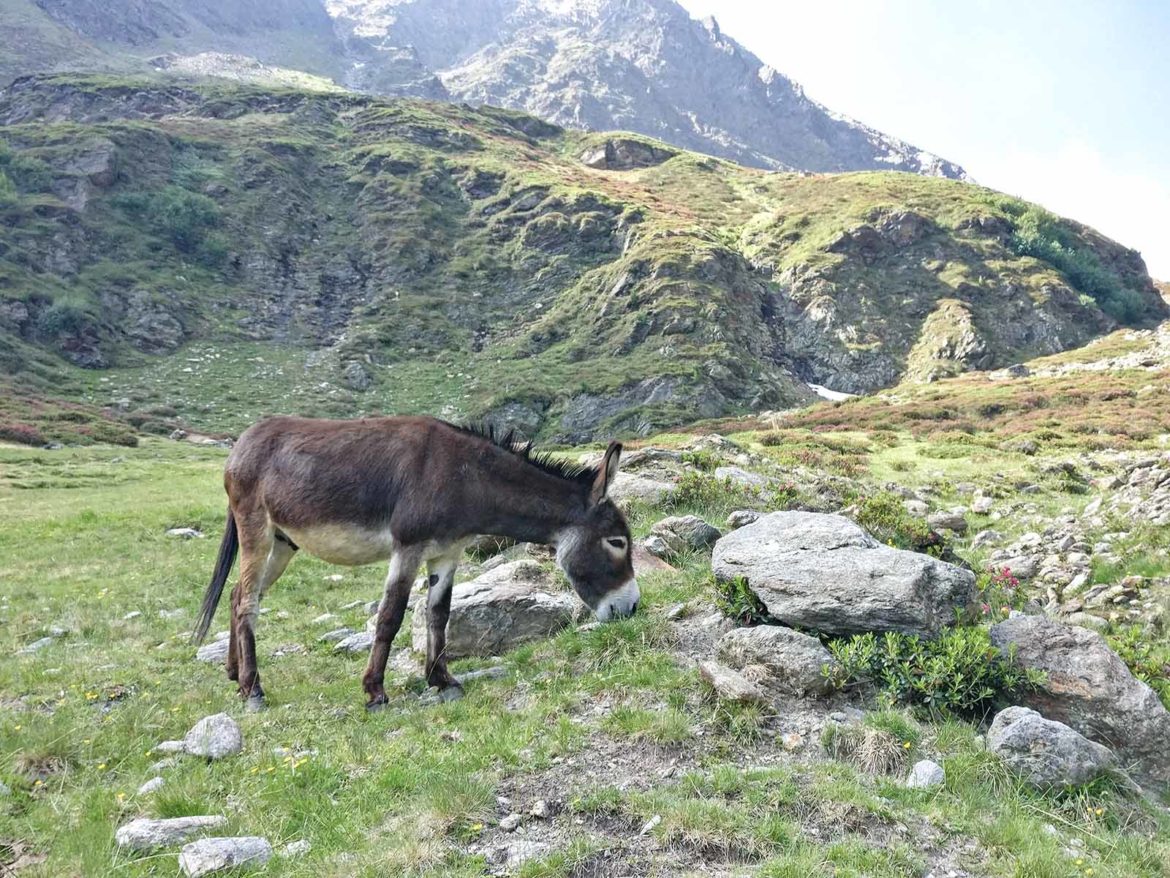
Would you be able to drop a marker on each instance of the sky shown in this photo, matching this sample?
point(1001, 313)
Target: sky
point(1063, 103)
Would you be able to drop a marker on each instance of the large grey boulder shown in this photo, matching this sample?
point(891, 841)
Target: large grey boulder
point(144, 834)
point(1045, 753)
point(791, 661)
point(210, 855)
point(824, 572)
point(505, 607)
point(1089, 688)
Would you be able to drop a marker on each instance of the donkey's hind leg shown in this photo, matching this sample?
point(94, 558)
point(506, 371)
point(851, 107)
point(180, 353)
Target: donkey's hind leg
point(403, 568)
point(441, 581)
point(263, 559)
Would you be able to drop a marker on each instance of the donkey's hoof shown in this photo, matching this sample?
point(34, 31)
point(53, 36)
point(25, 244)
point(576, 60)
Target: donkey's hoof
point(377, 705)
point(255, 704)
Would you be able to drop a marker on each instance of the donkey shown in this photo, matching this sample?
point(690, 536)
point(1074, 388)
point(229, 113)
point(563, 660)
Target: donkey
point(411, 490)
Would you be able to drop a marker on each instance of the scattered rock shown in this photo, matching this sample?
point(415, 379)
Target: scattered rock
point(1045, 753)
point(214, 737)
point(132, 615)
point(657, 546)
point(511, 823)
point(336, 635)
point(325, 619)
point(150, 786)
point(186, 533)
point(540, 810)
point(730, 685)
point(982, 505)
point(145, 834)
point(646, 562)
point(5, 792)
point(792, 741)
point(358, 642)
point(952, 521)
point(1089, 688)
point(684, 533)
point(649, 825)
point(215, 854)
point(740, 476)
point(628, 488)
point(214, 652)
point(35, 646)
point(794, 662)
point(297, 848)
point(986, 538)
point(826, 573)
point(503, 608)
point(926, 774)
point(741, 517)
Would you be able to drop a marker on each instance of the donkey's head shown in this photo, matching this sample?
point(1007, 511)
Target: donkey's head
point(595, 551)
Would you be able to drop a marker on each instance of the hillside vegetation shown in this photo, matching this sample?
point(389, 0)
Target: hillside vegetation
point(219, 252)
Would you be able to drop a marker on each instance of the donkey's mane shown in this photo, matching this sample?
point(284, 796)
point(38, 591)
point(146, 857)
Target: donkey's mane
point(542, 460)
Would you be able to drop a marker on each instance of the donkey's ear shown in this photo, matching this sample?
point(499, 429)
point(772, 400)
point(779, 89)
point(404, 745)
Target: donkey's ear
point(606, 472)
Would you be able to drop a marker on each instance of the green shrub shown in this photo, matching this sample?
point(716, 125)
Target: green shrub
point(737, 601)
point(886, 519)
point(701, 491)
point(1039, 234)
point(7, 190)
point(1148, 659)
point(960, 672)
point(702, 460)
point(64, 316)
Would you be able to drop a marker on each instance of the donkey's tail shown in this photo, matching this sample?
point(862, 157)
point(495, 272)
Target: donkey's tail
point(223, 566)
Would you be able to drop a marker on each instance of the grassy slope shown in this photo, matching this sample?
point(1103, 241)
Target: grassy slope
point(315, 230)
point(590, 720)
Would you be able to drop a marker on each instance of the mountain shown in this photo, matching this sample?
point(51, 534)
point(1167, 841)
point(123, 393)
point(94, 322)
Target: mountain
point(218, 251)
point(637, 65)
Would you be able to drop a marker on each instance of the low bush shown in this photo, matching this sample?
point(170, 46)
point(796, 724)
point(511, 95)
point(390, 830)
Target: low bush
point(960, 672)
point(737, 601)
point(885, 517)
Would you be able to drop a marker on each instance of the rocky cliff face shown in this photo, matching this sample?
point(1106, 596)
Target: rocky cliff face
point(332, 253)
point(637, 65)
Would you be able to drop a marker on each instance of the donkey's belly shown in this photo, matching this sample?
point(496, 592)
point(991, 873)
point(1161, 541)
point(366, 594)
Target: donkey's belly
point(342, 544)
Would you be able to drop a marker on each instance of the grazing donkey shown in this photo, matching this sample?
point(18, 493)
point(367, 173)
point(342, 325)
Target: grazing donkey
point(413, 490)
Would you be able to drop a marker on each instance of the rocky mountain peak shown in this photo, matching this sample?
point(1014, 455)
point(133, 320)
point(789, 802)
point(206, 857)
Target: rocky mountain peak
point(640, 65)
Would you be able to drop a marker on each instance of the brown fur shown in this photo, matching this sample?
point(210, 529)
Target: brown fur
point(413, 489)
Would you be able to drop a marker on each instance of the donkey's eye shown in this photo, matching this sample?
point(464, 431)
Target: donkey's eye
point(618, 543)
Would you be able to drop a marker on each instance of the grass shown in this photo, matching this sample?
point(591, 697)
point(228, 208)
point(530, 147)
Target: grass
point(410, 790)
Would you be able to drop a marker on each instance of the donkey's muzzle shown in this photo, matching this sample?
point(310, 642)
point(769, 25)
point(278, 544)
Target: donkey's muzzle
point(620, 602)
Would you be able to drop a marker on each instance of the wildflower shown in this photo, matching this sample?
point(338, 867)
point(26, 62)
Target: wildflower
point(121, 797)
point(1099, 811)
point(39, 783)
point(986, 609)
point(17, 727)
point(906, 745)
point(1079, 862)
point(101, 766)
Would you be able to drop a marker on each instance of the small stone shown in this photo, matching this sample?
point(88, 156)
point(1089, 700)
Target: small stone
point(792, 741)
point(540, 810)
point(657, 546)
point(952, 521)
point(982, 505)
point(360, 641)
point(150, 786)
point(134, 614)
point(495, 672)
point(324, 619)
point(730, 685)
point(212, 653)
point(336, 635)
point(216, 854)
point(145, 834)
point(649, 825)
point(214, 737)
point(926, 774)
point(35, 646)
point(511, 823)
point(741, 517)
point(4, 790)
point(297, 848)
point(185, 533)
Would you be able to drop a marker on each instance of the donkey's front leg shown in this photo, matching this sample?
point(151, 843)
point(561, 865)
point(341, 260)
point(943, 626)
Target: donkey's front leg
point(441, 580)
point(403, 568)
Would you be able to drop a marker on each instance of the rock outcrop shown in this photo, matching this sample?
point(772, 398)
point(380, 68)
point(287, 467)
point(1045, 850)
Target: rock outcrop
point(826, 573)
point(1045, 753)
point(1089, 688)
